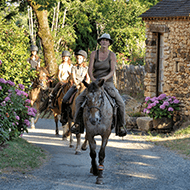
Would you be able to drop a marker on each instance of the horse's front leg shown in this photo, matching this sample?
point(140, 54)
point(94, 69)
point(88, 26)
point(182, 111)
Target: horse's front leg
point(38, 113)
point(56, 124)
point(92, 145)
point(85, 143)
point(99, 179)
point(70, 134)
point(78, 148)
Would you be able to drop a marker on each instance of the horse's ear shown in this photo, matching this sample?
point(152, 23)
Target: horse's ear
point(85, 83)
point(101, 82)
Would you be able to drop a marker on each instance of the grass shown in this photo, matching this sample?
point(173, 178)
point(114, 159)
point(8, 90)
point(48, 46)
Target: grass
point(179, 141)
point(19, 155)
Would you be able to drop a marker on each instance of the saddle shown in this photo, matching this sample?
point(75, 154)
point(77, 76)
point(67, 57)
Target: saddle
point(116, 114)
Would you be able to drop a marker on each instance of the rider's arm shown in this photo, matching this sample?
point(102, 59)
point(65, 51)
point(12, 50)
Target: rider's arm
point(74, 75)
point(112, 70)
point(91, 65)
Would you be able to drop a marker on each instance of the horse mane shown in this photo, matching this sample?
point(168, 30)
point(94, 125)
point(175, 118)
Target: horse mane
point(43, 69)
point(93, 87)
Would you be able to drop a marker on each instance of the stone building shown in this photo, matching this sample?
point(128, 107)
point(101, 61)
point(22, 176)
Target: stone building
point(168, 50)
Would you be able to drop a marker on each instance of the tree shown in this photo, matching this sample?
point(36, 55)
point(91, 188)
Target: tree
point(45, 35)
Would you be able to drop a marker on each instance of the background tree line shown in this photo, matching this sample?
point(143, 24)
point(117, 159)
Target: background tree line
point(57, 25)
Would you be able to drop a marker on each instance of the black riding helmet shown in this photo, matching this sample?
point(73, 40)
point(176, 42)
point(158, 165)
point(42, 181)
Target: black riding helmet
point(33, 48)
point(66, 54)
point(82, 52)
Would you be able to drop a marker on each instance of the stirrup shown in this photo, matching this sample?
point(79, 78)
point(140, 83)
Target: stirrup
point(75, 128)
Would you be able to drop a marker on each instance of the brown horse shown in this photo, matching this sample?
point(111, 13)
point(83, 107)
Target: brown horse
point(39, 86)
point(70, 116)
point(97, 117)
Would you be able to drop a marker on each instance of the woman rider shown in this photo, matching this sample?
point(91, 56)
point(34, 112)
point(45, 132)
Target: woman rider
point(63, 74)
point(102, 66)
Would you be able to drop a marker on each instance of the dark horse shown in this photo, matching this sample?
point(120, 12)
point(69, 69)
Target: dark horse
point(97, 117)
point(39, 86)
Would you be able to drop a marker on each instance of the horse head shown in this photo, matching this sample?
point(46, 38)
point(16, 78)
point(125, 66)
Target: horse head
point(95, 100)
point(43, 78)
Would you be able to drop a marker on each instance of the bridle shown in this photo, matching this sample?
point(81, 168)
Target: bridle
point(98, 108)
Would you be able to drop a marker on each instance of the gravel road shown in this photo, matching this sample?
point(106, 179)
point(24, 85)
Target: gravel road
point(130, 164)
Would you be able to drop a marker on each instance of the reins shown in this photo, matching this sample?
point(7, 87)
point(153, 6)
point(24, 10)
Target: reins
point(98, 108)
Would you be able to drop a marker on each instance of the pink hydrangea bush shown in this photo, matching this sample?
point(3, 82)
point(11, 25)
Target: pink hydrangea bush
point(161, 106)
point(15, 110)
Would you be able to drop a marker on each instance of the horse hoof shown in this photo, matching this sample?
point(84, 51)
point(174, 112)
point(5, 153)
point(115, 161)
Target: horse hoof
point(83, 148)
point(32, 126)
point(64, 138)
point(99, 180)
point(77, 153)
point(71, 146)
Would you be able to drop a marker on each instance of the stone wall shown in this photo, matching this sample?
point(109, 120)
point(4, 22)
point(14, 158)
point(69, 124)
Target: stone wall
point(176, 59)
point(130, 80)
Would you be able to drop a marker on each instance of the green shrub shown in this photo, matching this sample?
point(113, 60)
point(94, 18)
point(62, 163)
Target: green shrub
point(15, 110)
point(14, 44)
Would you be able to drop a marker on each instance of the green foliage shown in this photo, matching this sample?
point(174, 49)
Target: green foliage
point(20, 155)
point(185, 131)
point(14, 110)
point(161, 106)
point(14, 42)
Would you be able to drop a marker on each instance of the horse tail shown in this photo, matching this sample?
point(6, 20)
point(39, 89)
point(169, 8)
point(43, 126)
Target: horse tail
point(44, 106)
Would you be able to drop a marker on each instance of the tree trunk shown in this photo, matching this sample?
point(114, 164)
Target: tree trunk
point(46, 38)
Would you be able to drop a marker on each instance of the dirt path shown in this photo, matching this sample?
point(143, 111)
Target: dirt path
point(130, 164)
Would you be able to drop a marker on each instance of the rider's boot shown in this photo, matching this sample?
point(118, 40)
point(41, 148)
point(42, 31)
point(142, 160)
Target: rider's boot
point(75, 128)
point(121, 131)
point(51, 101)
point(78, 126)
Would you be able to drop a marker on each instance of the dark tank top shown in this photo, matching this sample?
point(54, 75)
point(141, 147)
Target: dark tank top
point(102, 68)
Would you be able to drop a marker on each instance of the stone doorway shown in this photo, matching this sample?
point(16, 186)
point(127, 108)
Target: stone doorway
point(160, 67)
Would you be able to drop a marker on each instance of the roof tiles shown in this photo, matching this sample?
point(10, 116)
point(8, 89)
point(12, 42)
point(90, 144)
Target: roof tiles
point(169, 8)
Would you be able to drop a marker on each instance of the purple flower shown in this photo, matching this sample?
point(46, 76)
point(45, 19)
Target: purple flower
point(19, 93)
point(17, 117)
point(166, 103)
point(3, 103)
point(0, 62)
point(28, 101)
point(16, 123)
point(21, 86)
point(3, 81)
point(144, 110)
point(148, 111)
point(0, 87)
point(153, 104)
point(153, 99)
point(170, 109)
point(161, 97)
point(176, 101)
point(147, 98)
point(13, 124)
point(11, 83)
point(25, 94)
point(149, 106)
point(27, 123)
point(7, 99)
point(157, 102)
point(162, 107)
point(174, 97)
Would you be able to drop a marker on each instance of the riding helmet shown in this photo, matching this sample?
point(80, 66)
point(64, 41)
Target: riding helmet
point(82, 52)
point(66, 54)
point(33, 48)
